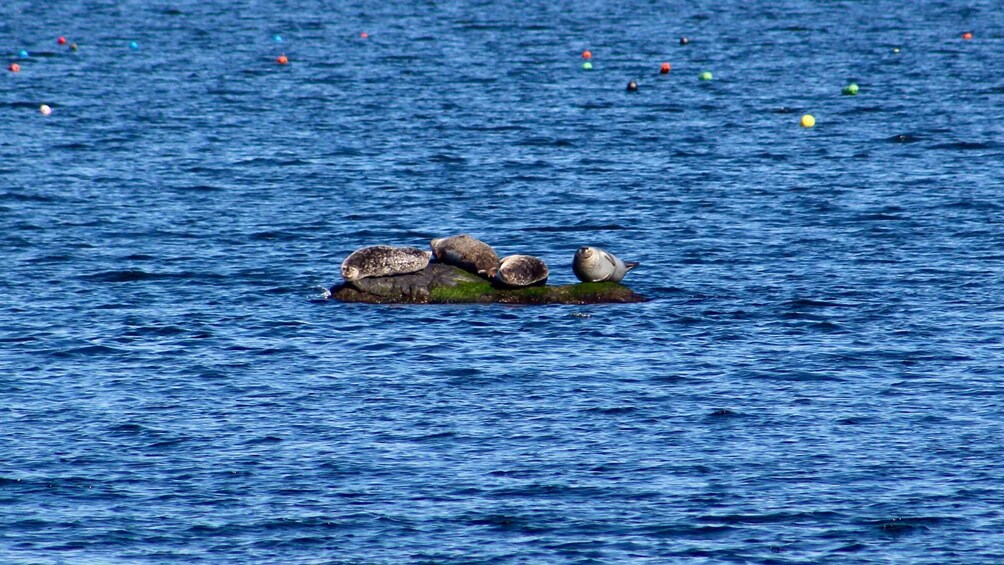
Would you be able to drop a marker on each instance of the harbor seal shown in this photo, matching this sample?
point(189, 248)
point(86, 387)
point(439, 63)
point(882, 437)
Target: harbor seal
point(592, 264)
point(383, 261)
point(466, 252)
point(520, 270)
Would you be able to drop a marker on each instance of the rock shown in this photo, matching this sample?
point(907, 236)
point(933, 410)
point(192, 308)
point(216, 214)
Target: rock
point(446, 284)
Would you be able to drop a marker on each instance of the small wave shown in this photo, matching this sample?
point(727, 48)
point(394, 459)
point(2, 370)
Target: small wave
point(129, 275)
point(965, 146)
point(578, 228)
point(21, 197)
point(88, 351)
point(903, 526)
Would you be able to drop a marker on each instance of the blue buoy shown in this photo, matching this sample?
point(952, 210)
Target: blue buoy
point(23, 54)
point(133, 45)
point(277, 38)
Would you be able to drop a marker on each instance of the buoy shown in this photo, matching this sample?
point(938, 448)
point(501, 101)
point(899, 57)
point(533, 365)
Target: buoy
point(684, 41)
point(587, 66)
point(73, 47)
point(808, 121)
point(895, 49)
point(850, 90)
point(133, 45)
point(967, 36)
point(587, 54)
point(705, 76)
point(14, 68)
point(282, 59)
point(61, 40)
point(23, 53)
point(277, 38)
point(632, 86)
point(664, 69)
point(364, 35)
point(45, 109)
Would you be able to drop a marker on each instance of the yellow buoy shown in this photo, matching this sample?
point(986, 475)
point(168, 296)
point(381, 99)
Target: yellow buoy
point(808, 121)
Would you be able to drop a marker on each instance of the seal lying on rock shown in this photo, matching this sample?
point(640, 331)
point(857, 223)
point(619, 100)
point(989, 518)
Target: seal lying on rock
point(466, 252)
point(383, 261)
point(520, 270)
point(592, 264)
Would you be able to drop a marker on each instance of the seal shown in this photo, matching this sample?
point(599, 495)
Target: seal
point(384, 261)
point(466, 252)
point(520, 270)
point(592, 264)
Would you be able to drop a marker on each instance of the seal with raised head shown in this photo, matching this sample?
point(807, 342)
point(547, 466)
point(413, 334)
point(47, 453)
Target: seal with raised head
point(384, 261)
point(592, 264)
point(466, 252)
point(520, 270)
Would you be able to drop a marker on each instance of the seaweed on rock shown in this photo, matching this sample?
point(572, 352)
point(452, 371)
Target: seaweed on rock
point(445, 284)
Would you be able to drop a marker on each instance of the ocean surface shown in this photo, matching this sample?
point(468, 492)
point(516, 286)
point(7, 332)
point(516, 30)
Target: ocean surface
point(818, 375)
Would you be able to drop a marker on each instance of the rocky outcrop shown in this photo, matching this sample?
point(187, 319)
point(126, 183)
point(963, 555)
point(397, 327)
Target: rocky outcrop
point(446, 284)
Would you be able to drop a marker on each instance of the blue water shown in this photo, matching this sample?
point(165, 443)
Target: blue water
point(816, 378)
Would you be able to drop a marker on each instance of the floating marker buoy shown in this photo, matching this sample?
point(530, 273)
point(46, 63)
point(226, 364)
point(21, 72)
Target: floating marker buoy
point(895, 49)
point(364, 35)
point(587, 66)
point(664, 69)
point(705, 76)
point(133, 45)
point(632, 86)
point(850, 90)
point(61, 40)
point(23, 54)
point(967, 36)
point(277, 38)
point(45, 109)
point(282, 59)
point(587, 54)
point(684, 41)
point(808, 121)
point(14, 68)
point(73, 47)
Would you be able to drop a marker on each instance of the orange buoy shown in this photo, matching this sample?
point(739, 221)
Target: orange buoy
point(61, 40)
point(364, 35)
point(14, 68)
point(967, 36)
point(282, 59)
point(664, 69)
point(587, 55)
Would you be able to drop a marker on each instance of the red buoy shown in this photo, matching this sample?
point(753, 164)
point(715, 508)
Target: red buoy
point(14, 68)
point(282, 59)
point(587, 55)
point(364, 35)
point(664, 69)
point(61, 40)
point(967, 36)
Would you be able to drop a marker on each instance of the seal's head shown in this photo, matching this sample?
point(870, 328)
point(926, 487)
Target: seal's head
point(350, 272)
point(586, 255)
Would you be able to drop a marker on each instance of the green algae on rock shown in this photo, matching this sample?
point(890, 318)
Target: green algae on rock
point(445, 284)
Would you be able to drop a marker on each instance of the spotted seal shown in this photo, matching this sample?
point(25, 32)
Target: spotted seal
point(383, 261)
point(466, 252)
point(592, 264)
point(520, 270)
